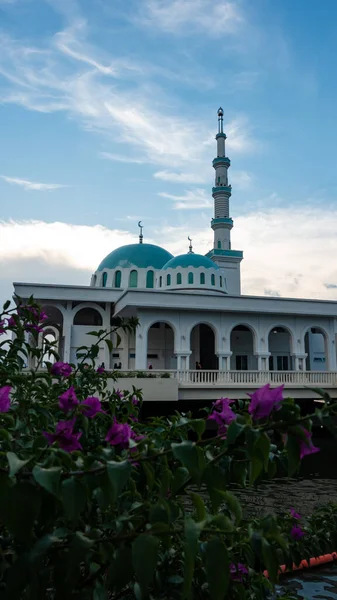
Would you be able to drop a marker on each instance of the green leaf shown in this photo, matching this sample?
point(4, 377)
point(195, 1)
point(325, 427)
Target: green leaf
point(192, 534)
point(234, 430)
point(262, 449)
point(270, 559)
point(79, 549)
point(20, 507)
point(145, 555)
point(49, 479)
point(6, 305)
point(181, 475)
point(216, 483)
point(233, 505)
point(217, 568)
point(240, 472)
point(121, 568)
point(74, 497)
point(199, 506)
point(109, 344)
point(293, 451)
point(191, 457)
point(199, 426)
point(15, 463)
point(255, 468)
point(118, 474)
point(150, 474)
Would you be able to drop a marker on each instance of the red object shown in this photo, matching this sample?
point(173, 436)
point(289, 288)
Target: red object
point(304, 564)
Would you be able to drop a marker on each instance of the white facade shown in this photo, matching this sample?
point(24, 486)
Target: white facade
point(190, 308)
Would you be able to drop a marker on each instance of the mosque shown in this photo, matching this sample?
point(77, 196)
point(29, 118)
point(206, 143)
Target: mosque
point(193, 320)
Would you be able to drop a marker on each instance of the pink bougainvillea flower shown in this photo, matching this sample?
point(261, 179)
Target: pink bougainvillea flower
point(43, 316)
point(2, 326)
point(4, 398)
point(306, 446)
point(68, 400)
point(294, 514)
point(297, 532)
point(134, 400)
point(119, 434)
point(265, 400)
point(224, 416)
point(93, 405)
point(65, 436)
point(62, 369)
point(120, 394)
point(100, 370)
point(238, 572)
point(222, 402)
point(11, 322)
point(33, 327)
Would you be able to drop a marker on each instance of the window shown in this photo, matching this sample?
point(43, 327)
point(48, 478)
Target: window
point(160, 281)
point(213, 279)
point(104, 280)
point(282, 363)
point(220, 281)
point(219, 244)
point(241, 362)
point(133, 280)
point(152, 356)
point(190, 278)
point(118, 279)
point(178, 278)
point(202, 278)
point(168, 280)
point(150, 279)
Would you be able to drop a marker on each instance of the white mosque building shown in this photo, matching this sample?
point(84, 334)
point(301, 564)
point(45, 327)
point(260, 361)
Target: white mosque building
point(191, 310)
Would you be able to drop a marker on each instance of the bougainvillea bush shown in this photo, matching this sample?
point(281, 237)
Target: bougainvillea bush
point(95, 503)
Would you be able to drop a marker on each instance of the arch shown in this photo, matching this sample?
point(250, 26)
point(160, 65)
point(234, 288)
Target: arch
point(288, 329)
point(178, 278)
point(160, 343)
point(203, 344)
point(220, 280)
point(104, 279)
point(190, 278)
point(94, 280)
point(95, 307)
point(316, 346)
point(118, 279)
point(168, 279)
point(160, 281)
point(281, 348)
point(133, 279)
point(50, 333)
point(202, 278)
point(219, 244)
point(88, 316)
point(150, 279)
point(213, 279)
point(243, 347)
point(56, 313)
point(159, 320)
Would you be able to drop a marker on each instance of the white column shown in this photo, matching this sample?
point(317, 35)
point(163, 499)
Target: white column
point(141, 349)
point(224, 360)
point(332, 366)
point(124, 350)
point(262, 361)
point(66, 333)
point(106, 326)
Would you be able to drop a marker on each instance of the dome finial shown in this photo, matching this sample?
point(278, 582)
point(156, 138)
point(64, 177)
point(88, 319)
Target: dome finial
point(140, 232)
point(220, 120)
point(190, 249)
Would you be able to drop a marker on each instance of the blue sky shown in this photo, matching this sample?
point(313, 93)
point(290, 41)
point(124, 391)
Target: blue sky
point(108, 115)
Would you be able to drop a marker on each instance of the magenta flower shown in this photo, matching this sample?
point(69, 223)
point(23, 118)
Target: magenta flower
point(93, 405)
point(120, 394)
point(238, 572)
point(2, 326)
point(11, 322)
point(61, 369)
point(265, 400)
point(222, 402)
point(68, 400)
point(4, 398)
point(43, 316)
point(224, 416)
point(101, 370)
point(65, 436)
point(297, 532)
point(306, 446)
point(295, 514)
point(32, 327)
point(134, 400)
point(119, 434)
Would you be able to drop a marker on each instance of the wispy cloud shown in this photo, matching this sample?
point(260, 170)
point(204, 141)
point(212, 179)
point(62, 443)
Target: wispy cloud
point(175, 16)
point(192, 199)
point(179, 177)
point(241, 180)
point(121, 158)
point(32, 185)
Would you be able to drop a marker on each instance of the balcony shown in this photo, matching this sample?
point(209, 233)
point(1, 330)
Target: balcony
point(257, 378)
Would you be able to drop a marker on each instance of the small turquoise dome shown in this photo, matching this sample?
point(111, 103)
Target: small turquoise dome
point(190, 260)
point(136, 255)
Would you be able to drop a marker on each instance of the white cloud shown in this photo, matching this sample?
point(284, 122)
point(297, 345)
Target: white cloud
point(179, 177)
point(187, 16)
point(32, 185)
point(192, 199)
point(121, 158)
point(241, 180)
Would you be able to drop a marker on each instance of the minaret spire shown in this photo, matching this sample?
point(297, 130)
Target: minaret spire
point(140, 232)
point(190, 248)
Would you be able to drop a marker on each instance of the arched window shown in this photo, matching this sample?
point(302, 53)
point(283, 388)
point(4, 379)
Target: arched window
point(118, 279)
point(150, 279)
point(190, 278)
point(213, 279)
point(104, 279)
point(94, 279)
point(160, 281)
point(133, 281)
point(202, 278)
point(178, 278)
point(168, 280)
point(220, 280)
point(219, 244)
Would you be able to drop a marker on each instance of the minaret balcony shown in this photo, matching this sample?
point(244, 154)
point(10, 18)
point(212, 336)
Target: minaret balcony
point(226, 190)
point(220, 135)
point(226, 222)
point(221, 161)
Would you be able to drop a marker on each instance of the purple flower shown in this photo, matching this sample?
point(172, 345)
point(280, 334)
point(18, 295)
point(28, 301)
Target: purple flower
point(297, 532)
point(100, 370)
point(221, 403)
point(43, 316)
point(119, 394)
point(93, 405)
point(32, 327)
point(295, 514)
point(133, 418)
point(62, 369)
point(4, 398)
point(64, 436)
point(119, 434)
point(134, 400)
point(11, 322)
point(306, 446)
point(68, 400)
point(2, 326)
point(238, 572)
point(224, 416)
point(264, 401)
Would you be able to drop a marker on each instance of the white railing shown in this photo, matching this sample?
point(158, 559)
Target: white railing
point(298, 378)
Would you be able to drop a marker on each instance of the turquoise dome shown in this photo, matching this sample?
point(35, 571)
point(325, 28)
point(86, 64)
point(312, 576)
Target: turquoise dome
point(136, 255)
point(190, 260)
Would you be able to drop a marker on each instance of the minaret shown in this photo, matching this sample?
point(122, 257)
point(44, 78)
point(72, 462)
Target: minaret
point(222, 253)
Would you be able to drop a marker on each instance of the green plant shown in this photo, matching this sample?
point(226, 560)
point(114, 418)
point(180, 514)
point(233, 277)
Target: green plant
point(95, 504)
